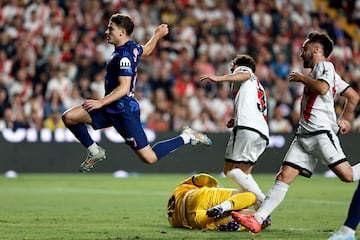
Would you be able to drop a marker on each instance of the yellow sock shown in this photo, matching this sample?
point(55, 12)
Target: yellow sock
point(242, 200)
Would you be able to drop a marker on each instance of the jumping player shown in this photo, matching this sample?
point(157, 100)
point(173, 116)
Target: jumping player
point(119, 108)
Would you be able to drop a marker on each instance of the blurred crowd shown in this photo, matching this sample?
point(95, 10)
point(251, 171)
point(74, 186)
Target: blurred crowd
point(53, 55)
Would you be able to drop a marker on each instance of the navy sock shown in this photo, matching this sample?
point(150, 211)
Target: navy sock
point(81, 133)
point(165, 147)
point(353, 217)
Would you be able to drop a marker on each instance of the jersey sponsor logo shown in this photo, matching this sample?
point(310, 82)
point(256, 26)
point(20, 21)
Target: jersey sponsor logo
point(125, 63)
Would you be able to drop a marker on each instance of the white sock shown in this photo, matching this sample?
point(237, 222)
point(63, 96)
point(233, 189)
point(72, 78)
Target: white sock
point(186, 138)
point(93, 149)
point(260, 196)
point(226, 205)
point(347, 230)
point(273, 199)
point(356, 172)
point(247, 182)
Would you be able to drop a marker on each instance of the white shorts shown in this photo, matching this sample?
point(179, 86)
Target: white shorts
point(305, 152)
point(244, 145)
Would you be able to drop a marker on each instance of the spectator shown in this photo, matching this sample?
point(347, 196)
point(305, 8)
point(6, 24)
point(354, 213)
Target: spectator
point(98, 83)
point(278, 124)
point(53, 121)
point(13, 121)
point(60, 83)
point(198, 102)
point(74, 98)
point(280, 67)
point(222, 107)
point(22, 85)
point(146, 107)
point(184, 86)
point(53, 104)
point(157, 122)
point(83, 84)
point(33, 110)
point(180, 115)
point(204, 123)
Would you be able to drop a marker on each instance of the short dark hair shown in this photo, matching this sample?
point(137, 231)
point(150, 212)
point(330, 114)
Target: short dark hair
point(244, 60)
point(123, 21)
point(323, 39)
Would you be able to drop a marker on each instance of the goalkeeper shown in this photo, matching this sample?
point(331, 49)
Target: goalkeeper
point(193, 202)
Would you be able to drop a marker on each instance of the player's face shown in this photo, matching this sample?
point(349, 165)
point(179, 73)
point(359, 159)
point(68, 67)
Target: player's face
point(307, 54)
point(112, 33)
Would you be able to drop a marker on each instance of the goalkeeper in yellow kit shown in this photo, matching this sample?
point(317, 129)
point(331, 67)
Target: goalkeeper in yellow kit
point(199, 202)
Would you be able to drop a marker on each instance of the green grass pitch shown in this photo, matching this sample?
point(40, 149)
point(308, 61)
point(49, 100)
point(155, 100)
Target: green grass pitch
point(99, 206)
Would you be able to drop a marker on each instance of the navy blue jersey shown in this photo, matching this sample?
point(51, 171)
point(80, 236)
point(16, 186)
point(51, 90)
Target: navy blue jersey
point(123, 62)
point(124, 113)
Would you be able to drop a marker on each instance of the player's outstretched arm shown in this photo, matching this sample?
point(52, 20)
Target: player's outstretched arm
point(231, 77)
point(161, 31)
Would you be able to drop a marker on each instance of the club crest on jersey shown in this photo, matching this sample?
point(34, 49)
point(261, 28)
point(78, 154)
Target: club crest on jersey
point(125, 63)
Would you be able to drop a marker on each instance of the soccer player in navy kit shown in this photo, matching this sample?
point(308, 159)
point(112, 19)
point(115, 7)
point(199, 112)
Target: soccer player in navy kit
point(119, 108)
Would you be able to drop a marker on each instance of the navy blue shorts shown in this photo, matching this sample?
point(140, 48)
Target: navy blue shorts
point(124, 116)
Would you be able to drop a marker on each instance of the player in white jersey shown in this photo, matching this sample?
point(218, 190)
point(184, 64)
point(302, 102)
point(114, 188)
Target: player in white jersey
point(316, 138)
point(250, 134)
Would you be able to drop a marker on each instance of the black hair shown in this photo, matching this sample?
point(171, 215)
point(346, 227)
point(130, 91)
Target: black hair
point(123, 21)
point(244, 60)
point(323, 39)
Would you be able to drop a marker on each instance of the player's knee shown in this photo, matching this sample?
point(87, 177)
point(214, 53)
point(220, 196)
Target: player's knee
point(149, 159)
point(346, 177)
point(65, 118)
point(284, 177)
point(68, 119)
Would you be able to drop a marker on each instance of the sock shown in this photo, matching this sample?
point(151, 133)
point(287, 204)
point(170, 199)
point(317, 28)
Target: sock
point(247, 182)
point(186, 138)
point(273, 199)
point(226, 205)
point(346, 230)
point(163, 148)
point(93, 149)
point(242, 200)
point(81, 133)
point(353, 217)
point(356, 172)
point(260, 196)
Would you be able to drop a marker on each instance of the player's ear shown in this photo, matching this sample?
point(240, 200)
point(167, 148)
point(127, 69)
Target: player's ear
point(318, 50)
point(122, 32)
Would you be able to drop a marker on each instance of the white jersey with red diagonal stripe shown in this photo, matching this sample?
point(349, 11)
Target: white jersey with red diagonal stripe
point(317, 111)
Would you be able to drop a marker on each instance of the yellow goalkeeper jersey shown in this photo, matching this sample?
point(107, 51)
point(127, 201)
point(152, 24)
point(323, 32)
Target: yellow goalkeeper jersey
point(188, 204)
